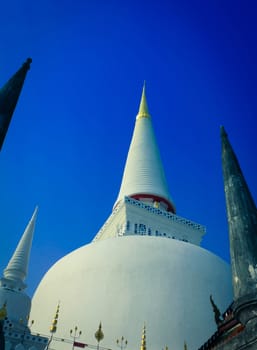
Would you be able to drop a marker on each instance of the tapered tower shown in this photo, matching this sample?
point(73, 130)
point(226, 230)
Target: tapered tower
point(237, 327)
point(242, 223)
point(144, 193)
point(12, 283)
point(9, 95)
point(144, 178)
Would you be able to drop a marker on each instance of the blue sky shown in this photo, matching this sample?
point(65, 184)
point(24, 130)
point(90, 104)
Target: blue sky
point(68, 140)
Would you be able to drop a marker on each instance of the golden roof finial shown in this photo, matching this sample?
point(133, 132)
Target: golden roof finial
point(3, 312)
point(143, 339)
point(143, 108)
point(53, 327)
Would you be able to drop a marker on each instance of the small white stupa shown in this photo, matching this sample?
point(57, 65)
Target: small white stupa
point(15, 301)
point(12, 284)
point(144, 266)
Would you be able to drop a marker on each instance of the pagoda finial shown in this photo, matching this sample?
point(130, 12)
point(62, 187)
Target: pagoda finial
point(53, 327)
point(143, 108)
point(242, 222)
point(17, 268)
point(99, 335)
point(143, 339)
point(9, 95)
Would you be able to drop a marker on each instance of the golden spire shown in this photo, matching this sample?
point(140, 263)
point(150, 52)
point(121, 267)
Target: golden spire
point(3, 312)
point(53, 327)
point(143, 109)
point(143, 339)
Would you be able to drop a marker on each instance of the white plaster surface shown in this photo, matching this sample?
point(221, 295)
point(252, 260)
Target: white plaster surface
point(17, 268)
point(143, 171)
point(136, 212)
point(18, 304)
point(124, 282)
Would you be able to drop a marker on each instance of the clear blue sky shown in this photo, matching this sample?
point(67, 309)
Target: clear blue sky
point(67, 144)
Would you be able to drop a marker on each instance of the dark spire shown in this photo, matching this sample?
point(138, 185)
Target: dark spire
point(9, 95)
point(242, 222)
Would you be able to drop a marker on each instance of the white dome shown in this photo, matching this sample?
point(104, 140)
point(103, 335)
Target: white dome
point(128, 281)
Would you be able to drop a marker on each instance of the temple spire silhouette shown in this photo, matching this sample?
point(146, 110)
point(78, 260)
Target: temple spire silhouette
point(9, 95)
point(242, 222)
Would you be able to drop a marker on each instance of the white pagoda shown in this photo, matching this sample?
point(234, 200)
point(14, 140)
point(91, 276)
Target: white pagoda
point(144, 267)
